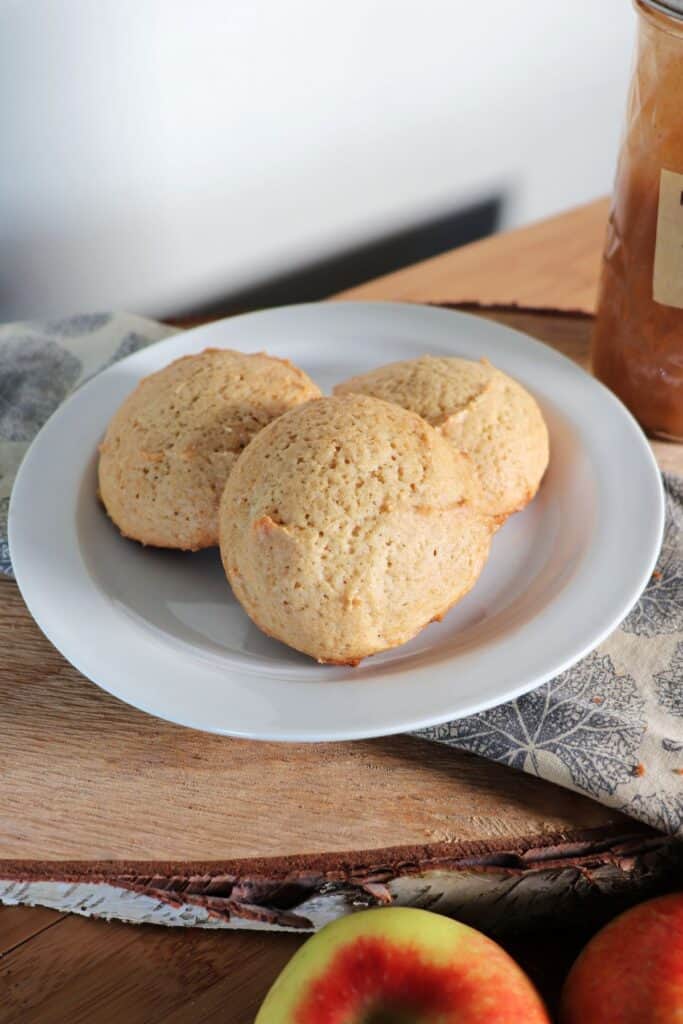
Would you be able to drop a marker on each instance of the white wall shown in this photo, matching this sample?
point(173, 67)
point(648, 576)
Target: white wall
point(157, 153)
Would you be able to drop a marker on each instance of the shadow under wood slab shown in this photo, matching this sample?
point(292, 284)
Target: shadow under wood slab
point(106, 811)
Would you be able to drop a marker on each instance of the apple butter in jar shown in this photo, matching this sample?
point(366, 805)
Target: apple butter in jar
point(638, 338)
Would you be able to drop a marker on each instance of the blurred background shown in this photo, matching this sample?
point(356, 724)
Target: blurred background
point(167, 157)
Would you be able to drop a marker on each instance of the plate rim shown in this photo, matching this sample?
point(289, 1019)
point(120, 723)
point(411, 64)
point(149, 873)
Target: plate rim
point(35, 606)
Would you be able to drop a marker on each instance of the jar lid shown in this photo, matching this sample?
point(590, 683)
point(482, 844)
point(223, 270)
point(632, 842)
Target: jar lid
point(674, 8)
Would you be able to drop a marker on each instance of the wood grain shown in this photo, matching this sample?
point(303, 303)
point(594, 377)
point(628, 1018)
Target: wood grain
point(88, 778)
point(110, 973)
point(553, 265)
point(17, 927)
point(137, 786)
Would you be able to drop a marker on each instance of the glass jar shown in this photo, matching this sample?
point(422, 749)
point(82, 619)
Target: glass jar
point(638, 337)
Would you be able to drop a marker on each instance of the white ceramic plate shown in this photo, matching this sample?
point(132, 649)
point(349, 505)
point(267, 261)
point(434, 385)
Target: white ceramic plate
point(162, 631)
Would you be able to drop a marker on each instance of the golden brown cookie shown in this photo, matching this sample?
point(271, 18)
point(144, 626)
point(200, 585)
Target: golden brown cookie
point(348, 525)
point(481, 411)
point(170, 447)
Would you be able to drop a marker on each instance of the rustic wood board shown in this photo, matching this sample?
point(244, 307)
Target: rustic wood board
point(88, 778)
point(94, 790)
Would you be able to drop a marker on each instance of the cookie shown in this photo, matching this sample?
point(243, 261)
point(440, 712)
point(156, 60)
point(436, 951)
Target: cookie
point(171, 446)
point(348, 525)
point(481, 411)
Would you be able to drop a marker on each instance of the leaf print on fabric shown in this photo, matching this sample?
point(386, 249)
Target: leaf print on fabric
point(5, 563)
point(589, 718)
point(132, 342)
point(660, 608)
point(669, 684)
point(660, 810)
point(76, 326)
point(36, 375)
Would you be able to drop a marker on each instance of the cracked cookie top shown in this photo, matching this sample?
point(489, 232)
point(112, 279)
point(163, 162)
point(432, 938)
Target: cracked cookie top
point(349, 524)
point(481, 411)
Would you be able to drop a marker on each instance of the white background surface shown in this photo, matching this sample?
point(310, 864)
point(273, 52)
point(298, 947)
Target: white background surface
point(156, 153)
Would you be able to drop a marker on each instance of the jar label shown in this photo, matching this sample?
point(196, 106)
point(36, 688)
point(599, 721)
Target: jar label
point(667, 276)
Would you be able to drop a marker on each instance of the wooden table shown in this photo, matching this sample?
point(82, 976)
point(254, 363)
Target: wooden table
point(171, 825)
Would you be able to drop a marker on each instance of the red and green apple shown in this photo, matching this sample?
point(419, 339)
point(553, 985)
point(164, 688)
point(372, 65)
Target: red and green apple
point(631, 972)
point(401, 966)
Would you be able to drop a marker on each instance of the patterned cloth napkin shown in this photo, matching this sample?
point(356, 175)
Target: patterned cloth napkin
point(40, 365)
point(610, 727)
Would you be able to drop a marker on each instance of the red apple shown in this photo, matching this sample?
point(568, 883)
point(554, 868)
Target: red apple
point(401, 966)
point(631, 972)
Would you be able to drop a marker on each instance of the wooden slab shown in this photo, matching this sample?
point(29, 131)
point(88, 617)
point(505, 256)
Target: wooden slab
point(88, 778)
point(186, 828)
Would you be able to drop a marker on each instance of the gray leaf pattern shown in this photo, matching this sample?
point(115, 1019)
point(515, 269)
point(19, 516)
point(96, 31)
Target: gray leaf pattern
point(77, 326)
point(5, 563)
point(662, 812)
point(669, 684)
point(589, 718)
point(660, 609)
point(132, 342)
point(36, 375)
